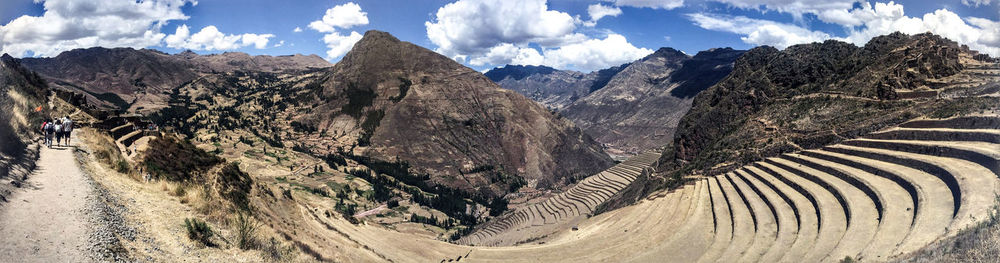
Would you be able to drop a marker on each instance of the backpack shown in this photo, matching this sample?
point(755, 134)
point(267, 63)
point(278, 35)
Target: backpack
point(49, 127)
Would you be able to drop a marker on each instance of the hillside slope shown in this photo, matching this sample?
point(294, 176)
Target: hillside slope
point(22, 108)
point(139, 80)
point(640, 106)
point(629, 108)
point(817, 94)
point(449, 121)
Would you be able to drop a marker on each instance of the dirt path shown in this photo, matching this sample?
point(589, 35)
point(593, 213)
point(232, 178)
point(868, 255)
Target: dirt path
point(47, 220)
point(370, 212)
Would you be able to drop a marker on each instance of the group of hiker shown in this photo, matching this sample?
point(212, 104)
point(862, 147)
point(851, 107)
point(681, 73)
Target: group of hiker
point(60, 129)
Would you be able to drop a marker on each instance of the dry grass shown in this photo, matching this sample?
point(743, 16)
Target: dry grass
point(106, 152)
point(979, 243)
point(163, 205)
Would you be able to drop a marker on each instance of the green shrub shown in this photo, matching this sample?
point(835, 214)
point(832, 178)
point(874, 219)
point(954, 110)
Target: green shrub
point(176, 160)
point(246, 232)
point(122, 166)
point(199, 231)
point(235, 185)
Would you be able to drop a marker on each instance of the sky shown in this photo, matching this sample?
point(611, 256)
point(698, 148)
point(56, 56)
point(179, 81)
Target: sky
point(583, 35)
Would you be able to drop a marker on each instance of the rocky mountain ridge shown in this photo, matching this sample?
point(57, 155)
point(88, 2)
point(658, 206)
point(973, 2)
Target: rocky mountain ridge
point(139, 80)
point(629, 108)
point(816, 94)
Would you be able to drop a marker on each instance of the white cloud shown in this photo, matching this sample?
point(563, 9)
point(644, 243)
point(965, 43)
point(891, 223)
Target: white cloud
point(862, 24)
point(595, 54)
point(588, 55)
point(794, 7)
point(70, 24)
point(655, 4)
point(507, 53)
point(884, 18)
point(339, 45)
point(343, 16)
point(210, 38)
point(467, 27)
point(598, 11)
point(976, 3)
point(297, 29)
point(757, 31)
point(489, 32)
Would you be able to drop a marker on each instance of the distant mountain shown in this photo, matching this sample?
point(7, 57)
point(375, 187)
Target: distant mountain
point(139, 80)
point(407, 103)
point(630, 108)
point(551, 87)
point(811, 95)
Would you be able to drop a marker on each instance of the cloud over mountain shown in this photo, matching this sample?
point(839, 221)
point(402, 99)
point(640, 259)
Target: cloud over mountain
point(484, 32)
point(71, 24)
point(343, 17)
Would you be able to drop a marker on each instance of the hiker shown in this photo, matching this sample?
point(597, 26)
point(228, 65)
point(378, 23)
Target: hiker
point(67, 129)
point(45, 139)
point(49, 130)
point(59, 132)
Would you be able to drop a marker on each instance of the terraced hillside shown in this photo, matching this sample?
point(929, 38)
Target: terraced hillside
point(870, 199)
point(559, 211)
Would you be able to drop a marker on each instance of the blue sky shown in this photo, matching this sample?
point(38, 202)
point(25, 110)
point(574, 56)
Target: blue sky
point(483, 33)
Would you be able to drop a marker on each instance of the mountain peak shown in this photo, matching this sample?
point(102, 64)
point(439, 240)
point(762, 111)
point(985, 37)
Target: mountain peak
point(518, 72)
point(668, 52)
point(380, 52)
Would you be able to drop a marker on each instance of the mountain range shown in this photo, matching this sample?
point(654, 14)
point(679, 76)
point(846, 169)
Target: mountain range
point(140, 80)
point(629, 108)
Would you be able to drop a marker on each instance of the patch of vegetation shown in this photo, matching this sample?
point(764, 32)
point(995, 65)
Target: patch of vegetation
point(497, 206)
point(453, 202)
point(303, 127)
point(246, 232)
point(176, 160)
point(433, 220)
point(335, 160)
point(123, 167)
point(477, 169)
point(372, 120)
point(357, 99)
point(235, 186)
point(347, 211)
point(198, 230)
point(404, 87)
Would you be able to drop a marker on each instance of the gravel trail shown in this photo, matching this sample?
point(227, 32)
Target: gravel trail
point(61, 215)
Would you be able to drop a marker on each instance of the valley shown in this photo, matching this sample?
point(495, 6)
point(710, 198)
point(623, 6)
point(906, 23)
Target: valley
point(822, 152)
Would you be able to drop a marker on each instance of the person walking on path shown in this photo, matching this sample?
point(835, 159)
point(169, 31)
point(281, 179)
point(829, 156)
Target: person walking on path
point(59, 132)
point(67, 126)
point(49, 129)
